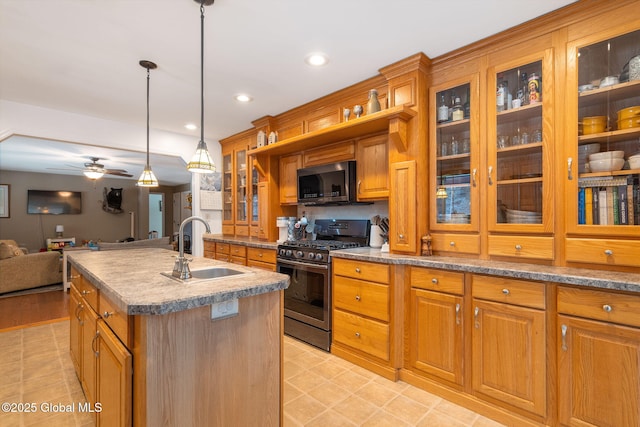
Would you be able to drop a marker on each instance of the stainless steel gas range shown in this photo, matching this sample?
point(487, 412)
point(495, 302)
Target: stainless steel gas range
point(307, 300)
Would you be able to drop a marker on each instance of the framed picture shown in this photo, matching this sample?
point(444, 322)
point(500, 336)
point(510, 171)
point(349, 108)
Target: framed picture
point(4, 200)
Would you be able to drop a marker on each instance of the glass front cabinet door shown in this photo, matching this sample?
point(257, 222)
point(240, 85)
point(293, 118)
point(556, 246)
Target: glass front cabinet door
point(520, 146)
point(454, 155)
point(603, 161)
point(227, 199)
point(241, 187)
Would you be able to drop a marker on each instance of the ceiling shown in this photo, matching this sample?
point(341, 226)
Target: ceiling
point(81, 56)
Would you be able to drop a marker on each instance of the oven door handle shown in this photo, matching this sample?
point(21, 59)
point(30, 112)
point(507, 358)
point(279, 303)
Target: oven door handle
point(304, 265)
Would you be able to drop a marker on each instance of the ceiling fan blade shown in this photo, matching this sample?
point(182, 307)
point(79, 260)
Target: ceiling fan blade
point(117, 173)
point(115, 170)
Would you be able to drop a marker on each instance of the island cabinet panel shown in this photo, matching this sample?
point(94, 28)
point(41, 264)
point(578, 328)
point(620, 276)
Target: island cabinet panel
point(114, 379)
point(75, 329)
point(229, 369)
point(509, 343)
point(598, 358)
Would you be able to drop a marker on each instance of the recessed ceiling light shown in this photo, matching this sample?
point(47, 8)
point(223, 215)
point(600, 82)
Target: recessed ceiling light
point(191, 126)
point(316, 59)
point(243, 98)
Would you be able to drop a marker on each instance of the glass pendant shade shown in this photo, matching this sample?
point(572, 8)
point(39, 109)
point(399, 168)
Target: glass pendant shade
point(93, 174)
point(441, 193)
point(147, 178)
point(201, 161)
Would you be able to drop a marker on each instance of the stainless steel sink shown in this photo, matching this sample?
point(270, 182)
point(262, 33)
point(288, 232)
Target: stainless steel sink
point(206, 274)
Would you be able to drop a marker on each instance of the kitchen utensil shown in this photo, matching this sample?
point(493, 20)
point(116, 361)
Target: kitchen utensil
point(594, 124)
point(584, 88)
point(629, 113)
point(384, 225)
point(634, 162)
point(629, 123)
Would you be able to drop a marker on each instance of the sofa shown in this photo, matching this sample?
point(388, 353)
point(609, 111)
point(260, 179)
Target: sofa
point(21, 270)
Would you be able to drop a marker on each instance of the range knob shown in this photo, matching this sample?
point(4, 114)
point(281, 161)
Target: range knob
point(311, 255)
point(319, 256)
point(299, 254)
point(288, 252)
point(282, 251)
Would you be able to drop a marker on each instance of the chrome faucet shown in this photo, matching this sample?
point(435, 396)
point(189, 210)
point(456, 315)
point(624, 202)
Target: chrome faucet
point(181, 266)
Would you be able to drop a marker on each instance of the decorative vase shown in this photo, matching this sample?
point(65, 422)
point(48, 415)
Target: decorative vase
point(357, 110)
point(373, 106)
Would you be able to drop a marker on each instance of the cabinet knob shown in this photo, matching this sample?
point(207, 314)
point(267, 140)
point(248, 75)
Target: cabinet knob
point(490, 171)
point(357, 334)
point(357, 269)
point(452, 243)
point(473, 174)
point(607, 308)
point(357, 297)
point(107, 314)
point(506, 291)
point(569, 163)
point(260, 254)
point(518, 247)
point(608, 252)
point(401, 236)
point(434, 281)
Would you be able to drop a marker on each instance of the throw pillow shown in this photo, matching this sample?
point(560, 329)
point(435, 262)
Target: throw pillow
point(7, 251)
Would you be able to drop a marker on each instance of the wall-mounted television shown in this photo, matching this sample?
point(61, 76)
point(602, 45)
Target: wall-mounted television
point(47, 202)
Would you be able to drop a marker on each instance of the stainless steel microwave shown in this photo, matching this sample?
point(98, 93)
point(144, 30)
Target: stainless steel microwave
point(330, 184)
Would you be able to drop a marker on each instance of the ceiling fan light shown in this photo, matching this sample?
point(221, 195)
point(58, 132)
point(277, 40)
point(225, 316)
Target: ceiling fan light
point(93, 174)
point(147, 178)
point(201, 162)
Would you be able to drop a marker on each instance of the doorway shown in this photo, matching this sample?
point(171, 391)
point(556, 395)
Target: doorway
point(156, 214)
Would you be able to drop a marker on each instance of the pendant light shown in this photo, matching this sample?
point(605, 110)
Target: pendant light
point(201, 161)
point(147, 178)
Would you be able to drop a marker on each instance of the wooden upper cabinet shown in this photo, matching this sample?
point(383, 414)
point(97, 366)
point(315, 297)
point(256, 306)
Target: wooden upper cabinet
point(340, 152)
point(520, 144)
point(402, 207)
point(372, 157)
point(289, 166)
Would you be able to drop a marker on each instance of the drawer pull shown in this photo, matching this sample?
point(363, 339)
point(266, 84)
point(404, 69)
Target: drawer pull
point(608, 252)
point(260, 254)
point(76, 276)
point(107, 314)
point(490, 171)
point(452, 243)
point(506, 291)
point(564, 337)
point(569, 163)
point(84, 292)
point(95, 351)
point(473, 174)
point(357, 297)
point(518, 247)
point(357, 334)
point(607, 308)
point(357, 269)
point(476, 323)
point(434, 281)
point(401, 236)
point(457, 314)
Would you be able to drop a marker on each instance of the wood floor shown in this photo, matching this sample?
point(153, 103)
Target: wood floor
point(22, 310)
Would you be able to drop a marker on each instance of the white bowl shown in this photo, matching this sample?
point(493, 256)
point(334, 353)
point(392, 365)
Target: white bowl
point(609, 81)
point(606, 155)
point(634, 162)
point(606, 165)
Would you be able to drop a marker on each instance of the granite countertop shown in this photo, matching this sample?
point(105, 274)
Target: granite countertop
point(131, 279)
point(246, 241)
point(613, 280)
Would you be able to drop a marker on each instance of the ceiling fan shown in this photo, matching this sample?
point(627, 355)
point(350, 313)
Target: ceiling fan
point(95, 170)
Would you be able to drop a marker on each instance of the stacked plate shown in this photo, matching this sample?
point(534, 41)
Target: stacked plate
point(523, 217)
point(606, 161)
point(583, 155)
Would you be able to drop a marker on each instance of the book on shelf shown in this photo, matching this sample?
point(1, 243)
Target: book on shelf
point(612, 200)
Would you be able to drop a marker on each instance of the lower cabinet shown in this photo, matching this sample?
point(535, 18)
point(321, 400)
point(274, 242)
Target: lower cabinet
point(509, 342)
point(598, 358)
point(436, 328)
point(261, 258)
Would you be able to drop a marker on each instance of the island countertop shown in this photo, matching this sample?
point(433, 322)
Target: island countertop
point(132, 280)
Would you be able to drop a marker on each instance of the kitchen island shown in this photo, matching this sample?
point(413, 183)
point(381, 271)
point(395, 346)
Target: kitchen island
point(153, 350)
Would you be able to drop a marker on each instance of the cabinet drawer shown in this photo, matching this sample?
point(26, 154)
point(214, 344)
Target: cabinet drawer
point(263, 265)
point(369, 336)
point(223, 248)
point(600, 305)
point(366, 298)
point(361, 270)
point(85, 289)
point(119, 322)
point(510, 291)
point(223, 257)
point(437, 280)
point(238, 250)
point(261, 255)
point(242, 230)
point(521, 247)
point(239, 260)
point(228, 230)
point(455, 243)
point(603, 251)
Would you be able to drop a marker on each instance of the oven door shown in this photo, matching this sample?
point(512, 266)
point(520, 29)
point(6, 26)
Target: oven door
point(308, 297)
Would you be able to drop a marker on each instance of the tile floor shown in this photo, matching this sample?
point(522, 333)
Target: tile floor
point(324, 390)
point(320, 389)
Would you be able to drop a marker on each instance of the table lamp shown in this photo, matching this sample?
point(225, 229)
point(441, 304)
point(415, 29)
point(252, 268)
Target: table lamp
point(59, 230)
